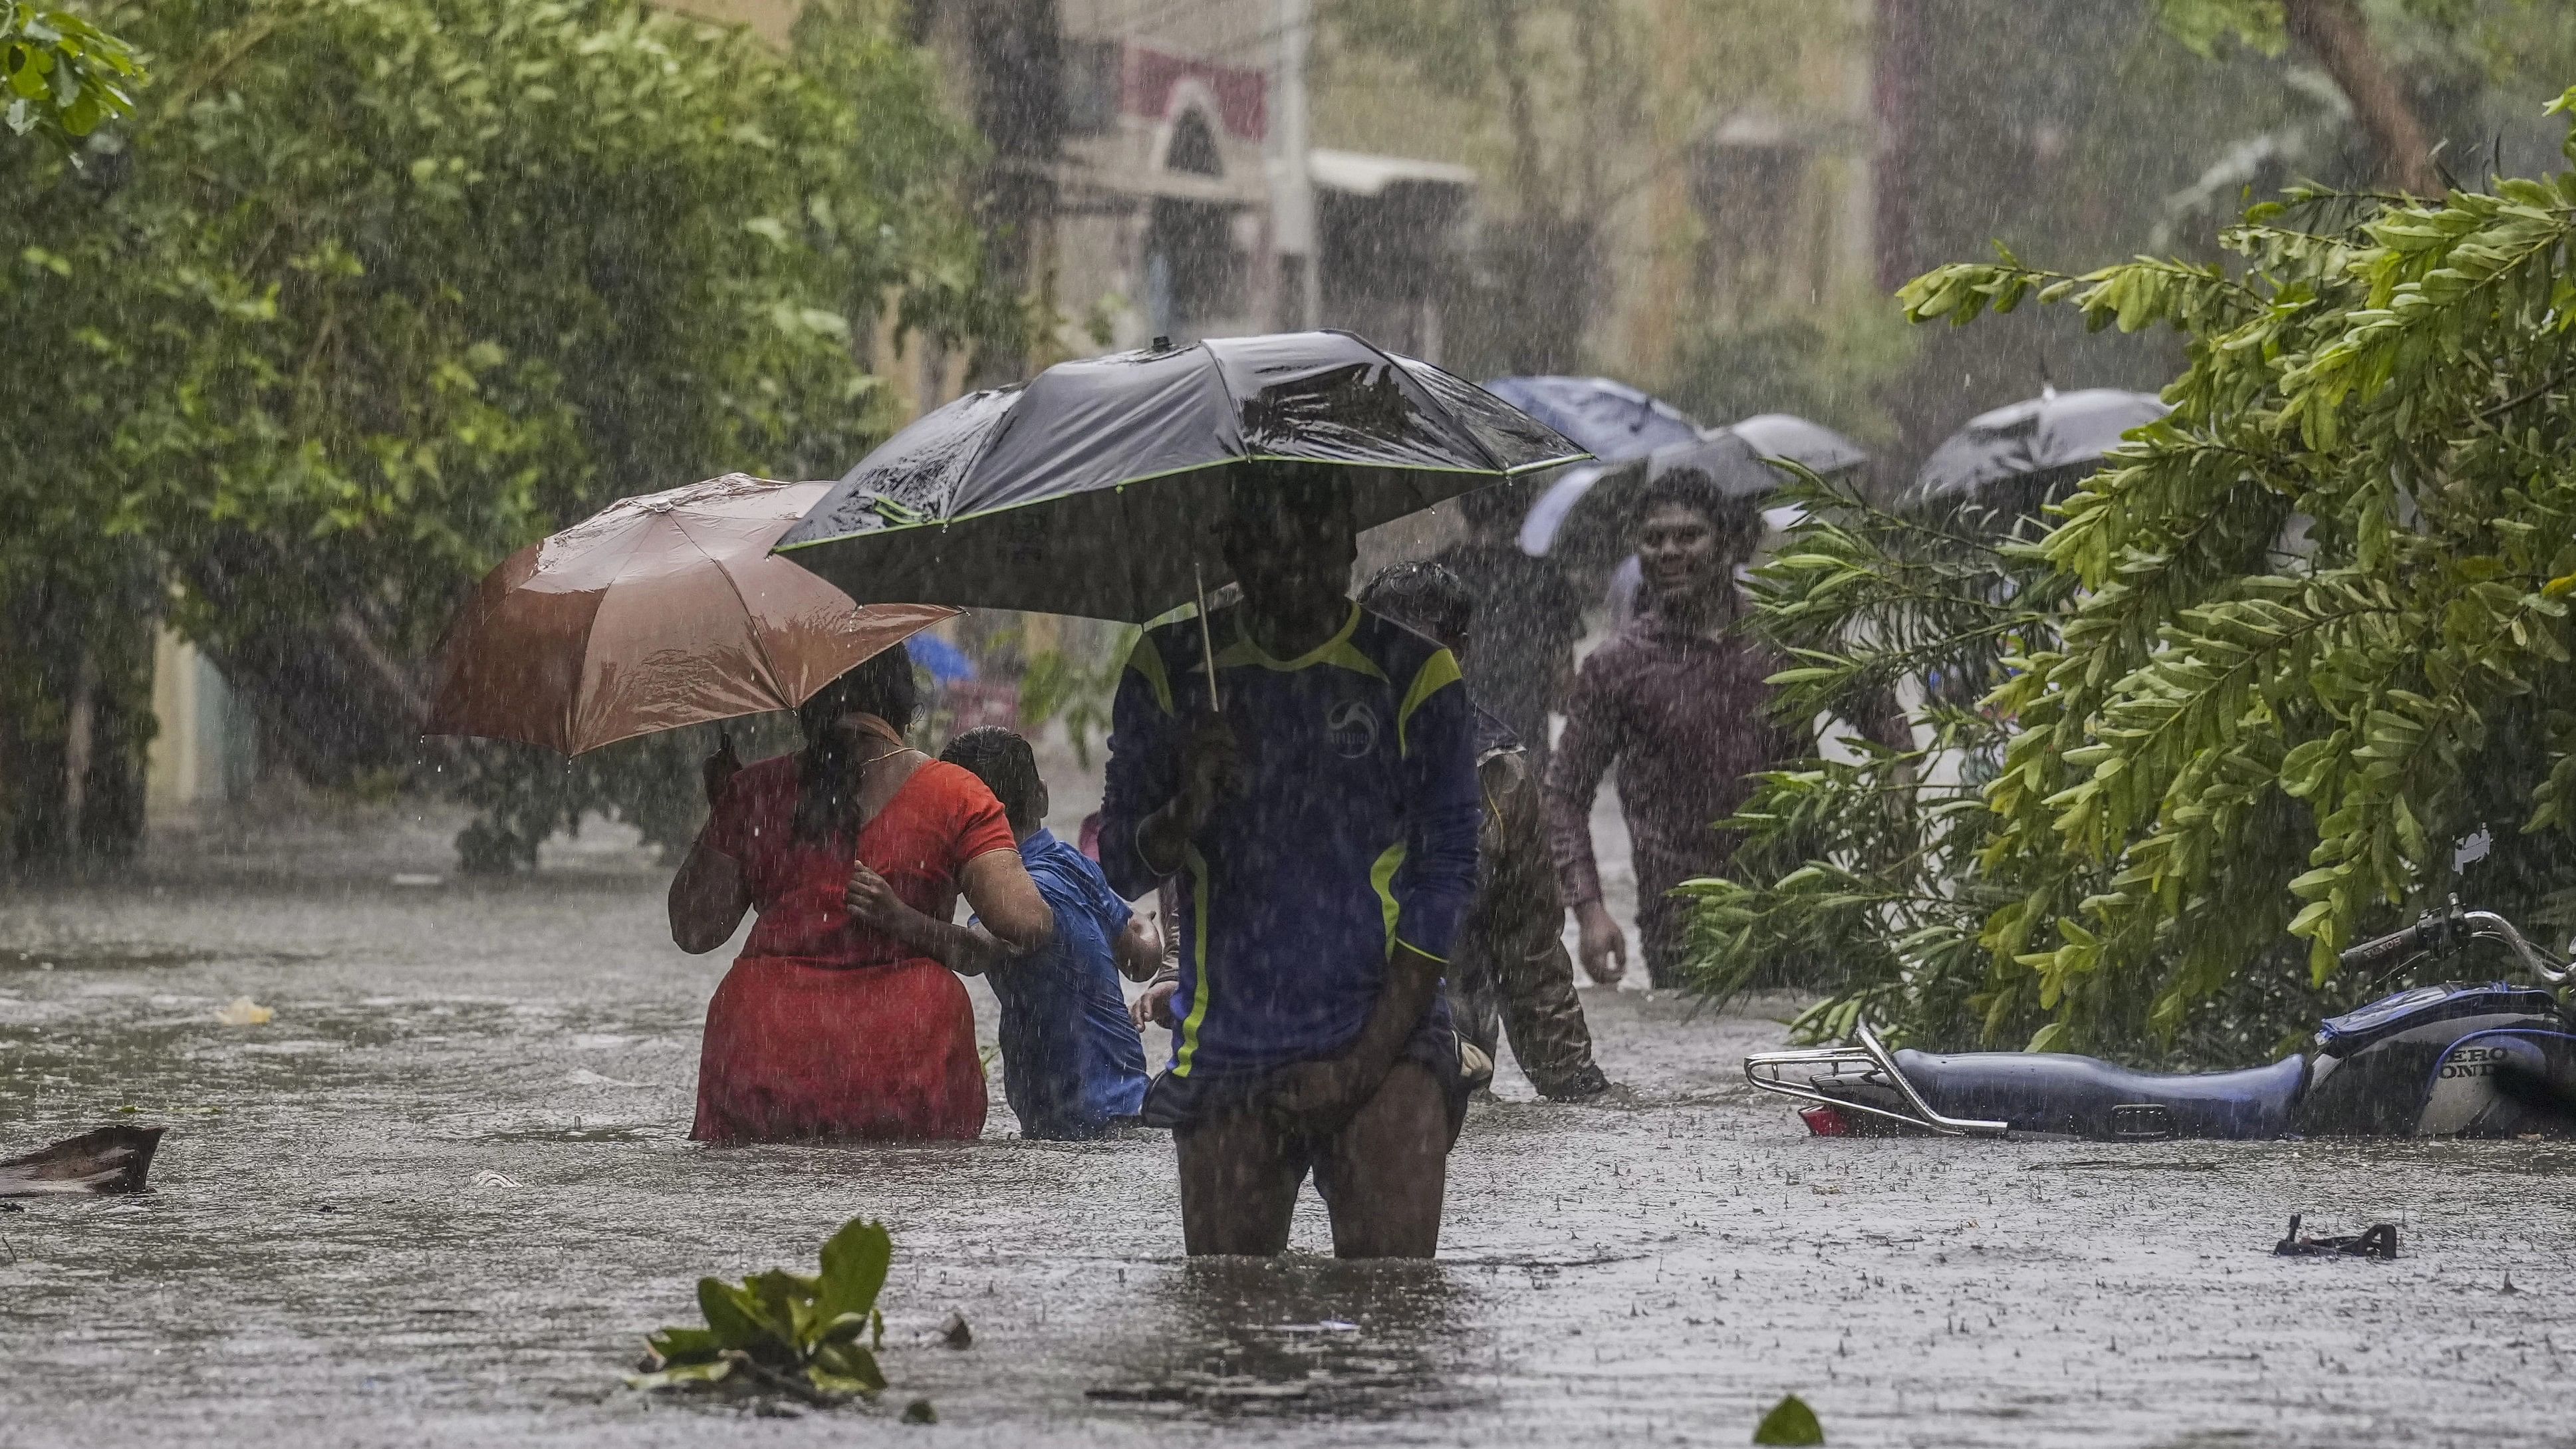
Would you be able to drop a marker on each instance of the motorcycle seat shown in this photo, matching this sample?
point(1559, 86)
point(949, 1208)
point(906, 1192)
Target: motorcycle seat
point(2058, 1094)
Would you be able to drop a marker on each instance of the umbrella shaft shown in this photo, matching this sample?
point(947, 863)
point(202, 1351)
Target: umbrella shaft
point(1207, 640)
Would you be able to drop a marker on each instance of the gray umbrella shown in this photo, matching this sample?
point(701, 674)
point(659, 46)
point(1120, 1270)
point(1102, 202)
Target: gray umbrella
point(1591, 510)
point(2016, 456)
point(1812, 446)
point(1097, 487)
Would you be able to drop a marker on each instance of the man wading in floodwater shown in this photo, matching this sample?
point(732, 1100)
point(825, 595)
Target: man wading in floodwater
point(1676, 700)
point(1324, 830)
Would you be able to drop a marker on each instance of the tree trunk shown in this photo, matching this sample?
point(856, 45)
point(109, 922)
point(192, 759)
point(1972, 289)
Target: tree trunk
point(80, 735)
point(2335, 32)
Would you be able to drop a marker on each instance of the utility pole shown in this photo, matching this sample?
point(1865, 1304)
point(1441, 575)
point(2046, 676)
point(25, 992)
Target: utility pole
point(1297, 300)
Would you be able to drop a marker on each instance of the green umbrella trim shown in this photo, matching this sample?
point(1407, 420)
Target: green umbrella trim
point(1123, 483)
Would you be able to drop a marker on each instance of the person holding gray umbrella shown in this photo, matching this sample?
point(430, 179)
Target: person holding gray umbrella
point(1303, 769)
point(1326, 824)
point(2015, 460)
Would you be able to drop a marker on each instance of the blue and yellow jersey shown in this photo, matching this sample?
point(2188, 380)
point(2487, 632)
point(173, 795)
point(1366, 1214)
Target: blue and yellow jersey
point(1357, 829)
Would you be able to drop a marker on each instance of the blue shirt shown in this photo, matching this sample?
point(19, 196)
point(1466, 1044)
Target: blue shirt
point(1071, 1059)
point(1357, 829)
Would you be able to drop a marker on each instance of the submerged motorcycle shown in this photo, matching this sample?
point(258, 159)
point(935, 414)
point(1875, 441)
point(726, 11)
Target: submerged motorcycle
point(2454, 1060)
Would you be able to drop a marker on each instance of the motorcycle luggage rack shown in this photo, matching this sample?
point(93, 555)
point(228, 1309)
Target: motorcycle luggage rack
point(1871, 1057)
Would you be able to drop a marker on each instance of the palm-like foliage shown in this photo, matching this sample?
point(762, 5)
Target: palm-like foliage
point(2287, 647)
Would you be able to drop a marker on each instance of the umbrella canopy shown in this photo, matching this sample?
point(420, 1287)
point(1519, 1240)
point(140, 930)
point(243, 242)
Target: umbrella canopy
point(1097, 487)
point(1813, 446)
point(658, 612)
point(1611, 420)
point(1587, 504)
point(2039, 444)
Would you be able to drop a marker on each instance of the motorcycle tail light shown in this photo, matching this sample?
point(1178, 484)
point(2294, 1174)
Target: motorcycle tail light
point(1826, 1121)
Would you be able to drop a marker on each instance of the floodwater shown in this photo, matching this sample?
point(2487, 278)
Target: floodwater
point(442, 1196)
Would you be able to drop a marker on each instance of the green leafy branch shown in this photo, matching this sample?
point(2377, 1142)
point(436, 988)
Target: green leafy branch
point(813, 1338)
point(63, 76)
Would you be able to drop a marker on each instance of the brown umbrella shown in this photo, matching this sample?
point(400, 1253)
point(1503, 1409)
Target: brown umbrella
point(658, 612)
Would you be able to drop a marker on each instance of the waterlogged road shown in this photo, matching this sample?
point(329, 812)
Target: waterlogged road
point(442, 1195)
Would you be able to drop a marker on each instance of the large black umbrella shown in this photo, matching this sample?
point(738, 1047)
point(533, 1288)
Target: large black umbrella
point(1097, 487)
point(2016, 457)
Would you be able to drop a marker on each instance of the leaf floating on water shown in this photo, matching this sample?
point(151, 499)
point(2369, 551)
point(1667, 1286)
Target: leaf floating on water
point(920, 1412)
point(780, 1333)
point(242, 1011)
point(1789, 1422)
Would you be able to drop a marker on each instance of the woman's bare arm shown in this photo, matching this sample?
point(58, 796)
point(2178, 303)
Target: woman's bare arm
point(966, 950)
point(997, 885)
point(708, 898)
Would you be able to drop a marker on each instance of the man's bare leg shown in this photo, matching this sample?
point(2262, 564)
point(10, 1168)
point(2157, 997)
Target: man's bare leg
point(1238, 1186)
point(1390, 1170)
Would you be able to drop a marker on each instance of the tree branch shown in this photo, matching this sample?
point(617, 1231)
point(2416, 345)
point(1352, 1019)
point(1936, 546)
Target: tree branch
point(2336, 33)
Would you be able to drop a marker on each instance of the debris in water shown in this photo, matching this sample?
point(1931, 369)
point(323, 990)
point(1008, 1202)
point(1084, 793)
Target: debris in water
point(2379, 1240)
point(814, 1339)
point(1789, 1422)
point(411, 878)
point(488, 1178)
point(242, 1011)
point(108, 1160)
point(920, 1412)
point(955, 1334)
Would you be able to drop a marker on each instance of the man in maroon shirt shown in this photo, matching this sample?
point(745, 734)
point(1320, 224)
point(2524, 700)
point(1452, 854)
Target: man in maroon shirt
point(1675, 701)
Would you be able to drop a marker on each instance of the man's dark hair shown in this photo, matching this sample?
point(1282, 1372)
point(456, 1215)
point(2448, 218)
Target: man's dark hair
point(1736, 519)
point(1497, 505)
point(1423, 596)
point(1007, 766)
point(1296, 488)
point(827, 778)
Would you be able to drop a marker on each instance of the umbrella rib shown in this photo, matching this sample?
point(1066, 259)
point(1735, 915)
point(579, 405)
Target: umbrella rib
point(572, 701)
point(983, 449)
point(1501, 469)
point(758, 644)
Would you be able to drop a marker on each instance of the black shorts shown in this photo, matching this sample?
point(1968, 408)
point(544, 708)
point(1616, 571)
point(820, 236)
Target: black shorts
point(1180, 1103)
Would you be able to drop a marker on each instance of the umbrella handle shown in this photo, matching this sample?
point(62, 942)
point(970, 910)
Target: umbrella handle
point(1207, 641)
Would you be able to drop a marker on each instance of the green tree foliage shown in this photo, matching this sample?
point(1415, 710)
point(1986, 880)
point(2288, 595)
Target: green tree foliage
point(2290, 645)
point(377, 290)
point(60, 76)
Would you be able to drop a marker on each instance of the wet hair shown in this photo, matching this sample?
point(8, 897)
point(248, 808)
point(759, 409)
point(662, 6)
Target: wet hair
point(1002, 759)
point(1497, 505)
point(1424, 596)
point(1736, 520)
point(827, 776)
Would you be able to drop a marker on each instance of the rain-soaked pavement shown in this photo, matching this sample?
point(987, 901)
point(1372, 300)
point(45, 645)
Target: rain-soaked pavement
point(440, 1197)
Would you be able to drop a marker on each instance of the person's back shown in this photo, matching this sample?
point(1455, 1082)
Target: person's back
point(1528, 618)
point(1510, 968)
point(836, 1020)
point(1072, 1065)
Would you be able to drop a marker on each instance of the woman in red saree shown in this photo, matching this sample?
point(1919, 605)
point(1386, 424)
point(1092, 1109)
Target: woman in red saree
point(827, 1026)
